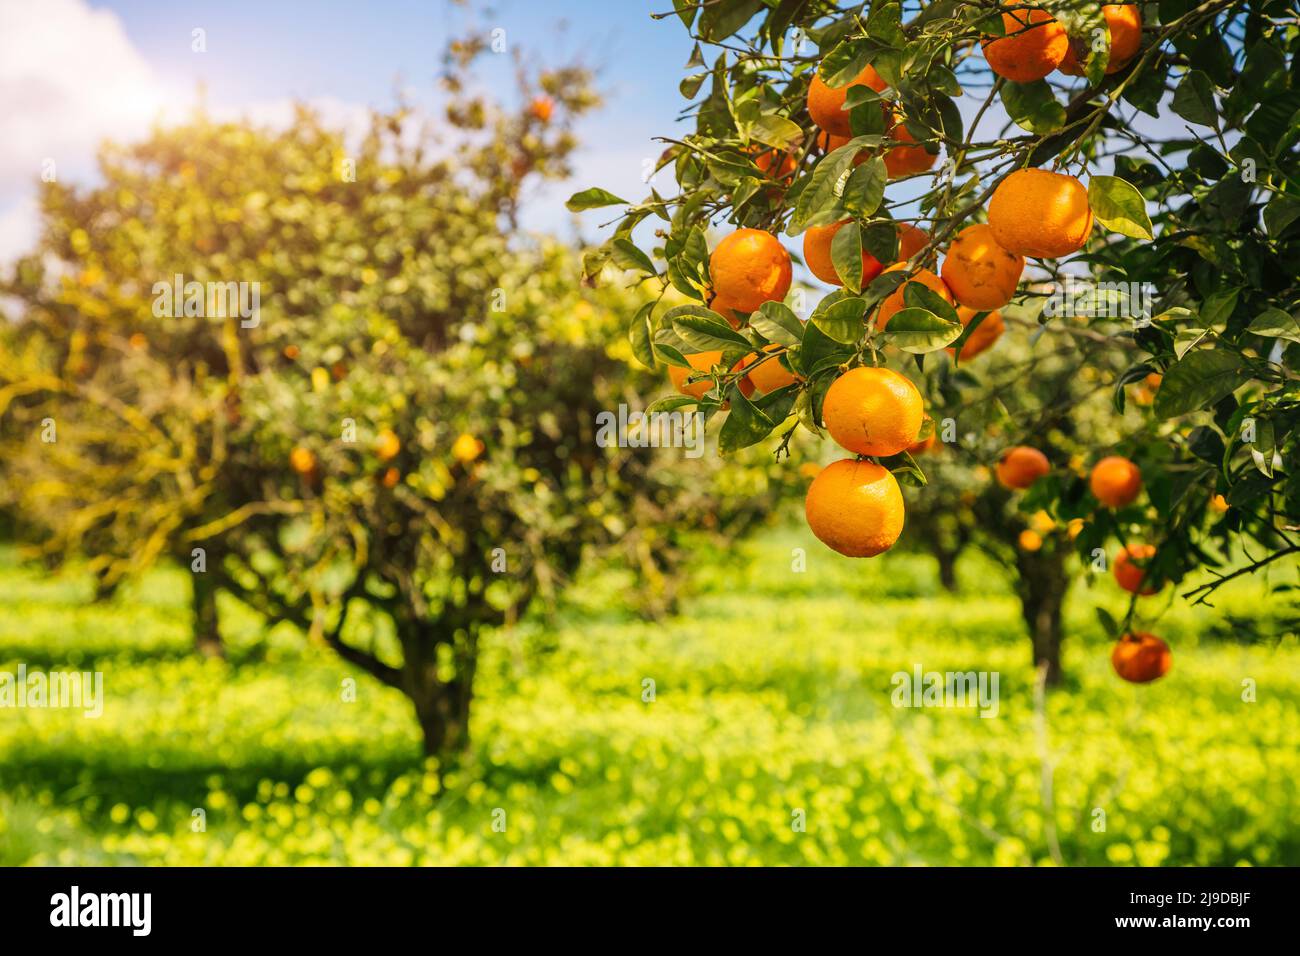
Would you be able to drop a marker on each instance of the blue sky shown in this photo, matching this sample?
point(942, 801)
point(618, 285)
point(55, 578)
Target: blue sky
point(262, 55)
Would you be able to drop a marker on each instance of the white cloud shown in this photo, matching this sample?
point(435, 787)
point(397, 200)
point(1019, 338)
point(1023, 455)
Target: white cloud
point(69, 78)
point(19, 227)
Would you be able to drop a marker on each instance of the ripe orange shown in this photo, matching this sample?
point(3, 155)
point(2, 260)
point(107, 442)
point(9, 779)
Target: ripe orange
point(1030, 540)
point(1124, 22)
point(302, 460)
point(466, 448)
point(855, 508)
point(1115, 481)
point(897, 300)
point(873, 411)
point(985, 334)
point(542, 107)
point(702, 362)
point(1021, 466)
point(817, 255)
point(1219, 503)
point(911, 240)
point(1129, 575)
point(905, 160)
point(767, 377)
point(783, 162)
point(829, 142)
point(1034, 45)
point(750, 267)
point(826, 105)
point(387, 445)
point(390, 478)
point(1141, 658)
point(1039, 213)
point(981, 274)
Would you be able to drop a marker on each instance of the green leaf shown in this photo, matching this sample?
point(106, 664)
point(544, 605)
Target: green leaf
point(1109, 626)
point(1273, 323)
point(1218, 308)
point(919, 331)
point(746, 423)
point(777, 323)
point(844, 61)
point(967, 331)
point(1194, 99)
point(625, 255)
point(818, 203)
point(1033, 107)
point(846, 256)
point(592, 198)
point(1119, 207)
point(1280, 212)
point(775, 131)
point(865, 188)
point(842, 320)
point(917, 295)
point(1197, 380)
point(703, 329)
point(638, 335)
point(886, 24)
point(720, 20)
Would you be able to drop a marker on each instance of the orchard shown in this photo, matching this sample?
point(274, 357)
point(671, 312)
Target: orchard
point(948, 175)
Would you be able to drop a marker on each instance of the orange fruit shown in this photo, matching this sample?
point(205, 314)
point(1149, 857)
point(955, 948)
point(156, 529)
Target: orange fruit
point(1129, 575)
point(985, 334)
point(1020, 467)
point(897, 300)
point(390, 478)
point(1034, 45)
point(1124, 23)
point(826, 105)
point(702, 362)
point(542, 107)
point(1115, 481)
point(387, 445)
point(1039, 213)
point(829, 142)
point(817, 255)
point(769, 376)
point(1140, 658)
point(728, 310)
point(1219, 503)
point(905, 160)
point(767, 159)
point(302, 460)
point(466, 448)
point(873, 411)
point(750, 267)
point(911, 240)
point(981, 274)
point(1154, 379)
point(855, 508)
point(1030, 540)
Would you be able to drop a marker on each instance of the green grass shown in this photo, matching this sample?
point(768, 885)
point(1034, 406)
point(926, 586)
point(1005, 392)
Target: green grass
point(772, 700)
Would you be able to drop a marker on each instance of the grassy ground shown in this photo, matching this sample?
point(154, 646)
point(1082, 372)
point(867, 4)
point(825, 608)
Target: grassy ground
point(772, 708)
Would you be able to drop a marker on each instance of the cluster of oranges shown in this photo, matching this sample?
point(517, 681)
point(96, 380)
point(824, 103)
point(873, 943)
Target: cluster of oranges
point(1035, 43)
point(855, 505)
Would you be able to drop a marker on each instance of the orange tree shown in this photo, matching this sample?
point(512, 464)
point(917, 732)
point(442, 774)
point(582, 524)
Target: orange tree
point(1143, 153)
point(397, 447)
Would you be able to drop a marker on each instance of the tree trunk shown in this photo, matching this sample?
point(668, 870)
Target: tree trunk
point(1042, 586)
point(947, 569)
point(207, 636)
point(444, 722)
point(442, 707)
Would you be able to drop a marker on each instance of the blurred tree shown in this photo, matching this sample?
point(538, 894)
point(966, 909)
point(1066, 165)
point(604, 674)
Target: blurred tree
point(388, 435)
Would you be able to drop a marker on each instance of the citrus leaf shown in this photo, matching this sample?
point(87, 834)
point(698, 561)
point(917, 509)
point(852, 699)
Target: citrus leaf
point(592, 198)
point(746, 423)
point(919, 331)
point(842, 320)
point(703, 329)
point(1276, 324)
point(638, 336)
point(1197, 380)
point(625, 255)
point(776, 323)
point(846, 256)
point(1194, 99)
point(1033, 107)
point(1119, 207)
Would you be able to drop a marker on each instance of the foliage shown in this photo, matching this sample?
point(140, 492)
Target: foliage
point(1201, 208)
